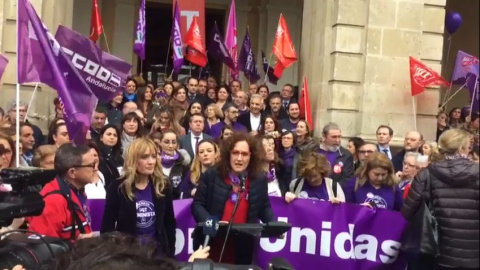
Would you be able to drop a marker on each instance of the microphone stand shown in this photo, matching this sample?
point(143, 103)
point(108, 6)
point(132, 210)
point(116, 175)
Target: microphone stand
point(230, 223)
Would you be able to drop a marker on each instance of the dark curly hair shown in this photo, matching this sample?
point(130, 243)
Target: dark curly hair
point(257, 155)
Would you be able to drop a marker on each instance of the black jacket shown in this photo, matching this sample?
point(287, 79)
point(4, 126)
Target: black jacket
point(210, 199)
point(455, 191)
point(397, 160)
point(109, 161)
point(244, 119)
point(178, 172)
point(121, 215)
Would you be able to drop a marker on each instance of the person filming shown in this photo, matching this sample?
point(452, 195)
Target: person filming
point(238, 176)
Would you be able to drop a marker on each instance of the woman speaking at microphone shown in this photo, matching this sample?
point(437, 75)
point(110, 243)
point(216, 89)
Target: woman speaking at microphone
point(238, 176)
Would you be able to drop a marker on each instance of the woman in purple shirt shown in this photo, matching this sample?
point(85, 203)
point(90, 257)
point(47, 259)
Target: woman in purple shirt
point(375, 185)
point(141, 203)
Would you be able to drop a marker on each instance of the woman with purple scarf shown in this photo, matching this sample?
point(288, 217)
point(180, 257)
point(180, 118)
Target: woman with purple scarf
point(313, 169)
point(175, 161)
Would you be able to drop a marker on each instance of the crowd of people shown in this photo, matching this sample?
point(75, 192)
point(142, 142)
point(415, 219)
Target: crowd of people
point(151, 145)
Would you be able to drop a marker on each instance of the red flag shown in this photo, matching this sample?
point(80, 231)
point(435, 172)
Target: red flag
point(305, 109)
point(196, 52)
point(422, 76)
point(283, 48)
point(96, 25)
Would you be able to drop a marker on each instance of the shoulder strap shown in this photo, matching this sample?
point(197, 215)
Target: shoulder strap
point(297, 183)
point(334, 187)
point(72, 207)
point(429, 190)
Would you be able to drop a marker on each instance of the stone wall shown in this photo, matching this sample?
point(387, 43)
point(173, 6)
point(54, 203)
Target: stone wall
point(356, 61)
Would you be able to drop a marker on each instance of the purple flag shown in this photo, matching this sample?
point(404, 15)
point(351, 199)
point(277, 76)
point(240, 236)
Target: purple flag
point(271, 77)
point(246, 61)
point(3, 65)
point(472, 85)
point(218, 50)
point(139, 46)
point(177, 41)
point(464, 64)
point(105, 74)
point(40, 59)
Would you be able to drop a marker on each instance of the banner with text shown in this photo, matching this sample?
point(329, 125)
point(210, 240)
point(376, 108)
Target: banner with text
point(345, 236)
point(188, 10)
point(105, 74)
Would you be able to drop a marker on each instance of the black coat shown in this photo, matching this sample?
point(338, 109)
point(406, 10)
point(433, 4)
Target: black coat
point(121, 215)
point(210, 199)
point(455, 191)
point(244, 119)
point(109, 160)
point(397, 160)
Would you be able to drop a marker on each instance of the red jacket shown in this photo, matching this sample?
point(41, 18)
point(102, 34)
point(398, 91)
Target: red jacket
point(56, 219)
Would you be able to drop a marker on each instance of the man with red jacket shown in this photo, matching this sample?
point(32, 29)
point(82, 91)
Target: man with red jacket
point(66, 213)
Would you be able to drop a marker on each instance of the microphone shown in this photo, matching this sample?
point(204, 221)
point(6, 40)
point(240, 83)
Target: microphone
point(243, 181)
point(210, 229)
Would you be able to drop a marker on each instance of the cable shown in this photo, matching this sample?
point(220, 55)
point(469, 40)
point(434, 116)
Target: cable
point(32, 232)
point(230, 223)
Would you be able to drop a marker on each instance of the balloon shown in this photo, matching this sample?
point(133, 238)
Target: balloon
point(453, 20)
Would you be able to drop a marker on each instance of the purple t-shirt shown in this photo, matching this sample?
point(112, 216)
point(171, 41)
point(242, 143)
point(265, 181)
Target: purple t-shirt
point(146, 220)
point(316, 193)
point(331, 157)
point(384, 197)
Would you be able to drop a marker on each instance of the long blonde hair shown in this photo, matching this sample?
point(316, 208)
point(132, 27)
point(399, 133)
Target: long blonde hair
point(196, 168)
point(134, 152)
point(376, 160)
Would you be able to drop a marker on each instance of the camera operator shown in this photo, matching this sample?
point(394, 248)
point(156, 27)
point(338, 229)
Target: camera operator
point(66, 214)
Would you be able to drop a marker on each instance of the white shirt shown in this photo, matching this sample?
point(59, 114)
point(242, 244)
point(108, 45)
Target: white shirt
point(274, 189)
point(381, 148)
point(97, 190)
point(255, 122)
point(194, 142)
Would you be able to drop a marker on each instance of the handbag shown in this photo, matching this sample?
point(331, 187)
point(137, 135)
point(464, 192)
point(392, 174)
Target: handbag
point(421, 236)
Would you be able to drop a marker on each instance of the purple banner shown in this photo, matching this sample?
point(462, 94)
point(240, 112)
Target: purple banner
point(105, 74)
point(3, 65)
point(139, 45)
point(246, 61)
point(96, 207)
point(40, 59)
point(344, 236)
point(177, 41)
point(218, 50)
point(464, 65)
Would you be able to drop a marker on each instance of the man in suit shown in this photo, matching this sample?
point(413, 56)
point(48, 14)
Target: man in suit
point(384, 136)
point(413, 142)
point(287, 95)
point(230, 111)
point(253, 120)
point(190, 141)
point(193, 94)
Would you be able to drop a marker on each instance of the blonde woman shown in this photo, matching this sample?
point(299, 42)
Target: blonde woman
point(212, 116)
point(376, 185)
point(208, 154)
point(454, 187)
point(140, 203)
point(44, 156)
point(430, 149)
point(313, 169)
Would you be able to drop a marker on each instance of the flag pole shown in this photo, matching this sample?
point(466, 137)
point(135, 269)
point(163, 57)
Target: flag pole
point(106, 41)
point(414, 112)
point(30, 102)
point(475, 91)
point(304, 98)
point(17, 125)
point(448, 90)
point(268, 68)
point(168, 53)
point(454, 94)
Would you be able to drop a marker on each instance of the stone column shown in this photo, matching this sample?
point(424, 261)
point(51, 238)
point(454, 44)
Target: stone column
point(365, 46)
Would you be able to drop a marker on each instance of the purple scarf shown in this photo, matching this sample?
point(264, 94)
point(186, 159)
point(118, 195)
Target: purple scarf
point(168, 161)
point(288, 156)
point(271, 174)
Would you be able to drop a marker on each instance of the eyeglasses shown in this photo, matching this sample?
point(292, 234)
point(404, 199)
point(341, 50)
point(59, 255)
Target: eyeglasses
point(86, 165)
point(410, 165)
point(237, 154)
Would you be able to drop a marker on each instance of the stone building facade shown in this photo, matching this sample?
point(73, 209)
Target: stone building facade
point(353, 52)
